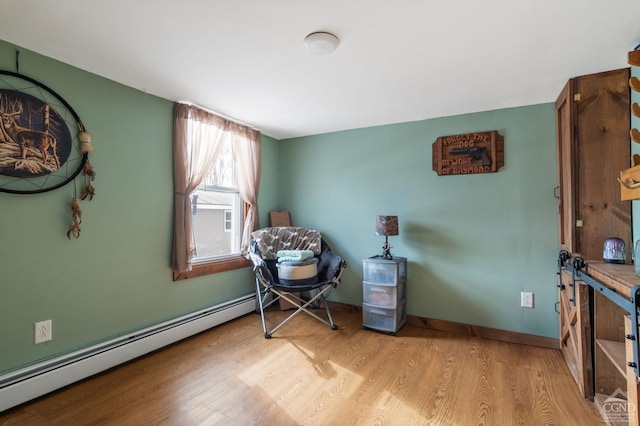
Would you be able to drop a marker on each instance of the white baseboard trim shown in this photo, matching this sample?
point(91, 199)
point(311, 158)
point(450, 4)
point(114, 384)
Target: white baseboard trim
point(31, 382)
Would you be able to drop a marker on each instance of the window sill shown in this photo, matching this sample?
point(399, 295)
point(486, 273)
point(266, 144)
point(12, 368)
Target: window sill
point(213, 267)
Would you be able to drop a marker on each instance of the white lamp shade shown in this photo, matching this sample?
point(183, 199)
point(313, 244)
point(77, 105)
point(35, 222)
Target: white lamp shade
point(321, 43)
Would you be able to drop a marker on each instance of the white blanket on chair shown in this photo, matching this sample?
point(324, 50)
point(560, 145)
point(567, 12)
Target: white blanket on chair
point(294, 255)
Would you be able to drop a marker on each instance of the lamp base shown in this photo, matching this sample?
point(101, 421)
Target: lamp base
point(386, 251)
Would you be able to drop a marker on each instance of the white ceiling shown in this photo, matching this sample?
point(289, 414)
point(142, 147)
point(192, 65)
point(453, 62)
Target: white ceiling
point(398, 61)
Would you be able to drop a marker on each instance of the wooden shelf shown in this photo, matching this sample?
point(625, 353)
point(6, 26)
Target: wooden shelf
point(615, 351)
point(615, 381)
point(620, 277)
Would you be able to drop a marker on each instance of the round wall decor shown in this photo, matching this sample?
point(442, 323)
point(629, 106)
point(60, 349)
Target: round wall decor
point(41, 137)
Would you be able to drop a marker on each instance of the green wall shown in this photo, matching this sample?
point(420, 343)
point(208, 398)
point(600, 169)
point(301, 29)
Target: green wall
point(473, 242)
point(116, 278)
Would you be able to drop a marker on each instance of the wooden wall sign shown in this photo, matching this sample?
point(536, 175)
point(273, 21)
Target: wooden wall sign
point(469, 153)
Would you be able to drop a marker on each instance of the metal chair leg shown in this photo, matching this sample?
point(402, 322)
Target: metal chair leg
point(303, 306)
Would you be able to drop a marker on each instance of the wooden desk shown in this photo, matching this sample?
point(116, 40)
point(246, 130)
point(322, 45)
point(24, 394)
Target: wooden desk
point(615, 287)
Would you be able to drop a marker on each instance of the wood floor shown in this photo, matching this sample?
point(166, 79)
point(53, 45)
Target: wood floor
point(308, 374)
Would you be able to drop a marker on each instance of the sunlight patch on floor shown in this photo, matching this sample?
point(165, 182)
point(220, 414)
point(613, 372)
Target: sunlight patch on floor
point(388, 402)
point(268, 375)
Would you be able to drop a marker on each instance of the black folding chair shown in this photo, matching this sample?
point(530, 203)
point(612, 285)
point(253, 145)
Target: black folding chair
point(269, 290)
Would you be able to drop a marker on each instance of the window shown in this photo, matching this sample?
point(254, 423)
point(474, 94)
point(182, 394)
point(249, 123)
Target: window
point(228, 221)
point(217, 211)
point(216, 177)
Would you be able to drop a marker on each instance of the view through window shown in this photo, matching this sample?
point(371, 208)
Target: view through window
point(217, 211)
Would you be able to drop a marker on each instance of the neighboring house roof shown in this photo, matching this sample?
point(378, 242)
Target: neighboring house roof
point(220, 199)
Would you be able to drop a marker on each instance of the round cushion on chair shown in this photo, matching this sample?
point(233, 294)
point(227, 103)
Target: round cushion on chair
point(298, 273)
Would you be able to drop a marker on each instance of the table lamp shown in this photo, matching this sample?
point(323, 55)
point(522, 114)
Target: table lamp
point(386, 225)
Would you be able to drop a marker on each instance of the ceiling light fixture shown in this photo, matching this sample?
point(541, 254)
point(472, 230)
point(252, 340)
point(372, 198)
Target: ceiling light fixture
point(321, 43)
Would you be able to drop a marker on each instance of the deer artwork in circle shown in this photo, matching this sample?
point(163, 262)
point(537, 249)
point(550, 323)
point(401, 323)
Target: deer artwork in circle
point(30, 144)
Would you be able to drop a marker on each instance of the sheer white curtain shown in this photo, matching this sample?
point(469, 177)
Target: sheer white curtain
point(197, 144)
point(246, 152)
point(198, 139)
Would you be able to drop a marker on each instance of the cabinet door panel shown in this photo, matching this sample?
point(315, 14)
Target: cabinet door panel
point(603, 149)
point(565, 124)
point(575, 332)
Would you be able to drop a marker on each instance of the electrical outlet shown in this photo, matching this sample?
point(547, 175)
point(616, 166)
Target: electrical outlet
point(43, 331)
point(526, 299)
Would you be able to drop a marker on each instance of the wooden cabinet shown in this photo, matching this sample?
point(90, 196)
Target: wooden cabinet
point(592, 130)
point(384, 290)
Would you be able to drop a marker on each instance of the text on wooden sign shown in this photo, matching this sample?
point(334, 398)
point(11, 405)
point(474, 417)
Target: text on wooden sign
point(469, 153)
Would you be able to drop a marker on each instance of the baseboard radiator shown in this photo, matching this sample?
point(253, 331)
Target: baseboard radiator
point(31, 382)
